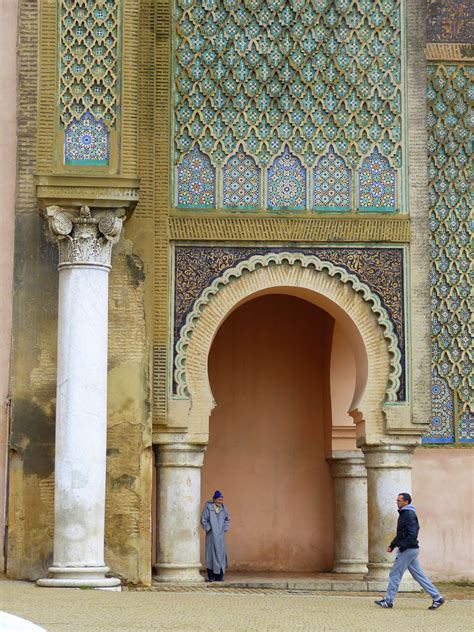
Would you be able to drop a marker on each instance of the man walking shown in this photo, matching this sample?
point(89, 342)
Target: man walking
point(215, 521)
point(407, 558)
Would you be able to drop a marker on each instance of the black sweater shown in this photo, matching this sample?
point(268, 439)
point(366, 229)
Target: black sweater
point(407, 530)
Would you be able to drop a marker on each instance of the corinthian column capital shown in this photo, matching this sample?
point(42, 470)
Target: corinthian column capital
point(84, 237)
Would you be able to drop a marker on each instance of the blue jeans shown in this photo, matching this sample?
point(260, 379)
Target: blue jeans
point(408, 559)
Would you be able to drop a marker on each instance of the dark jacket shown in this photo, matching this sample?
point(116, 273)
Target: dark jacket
point(407, 529)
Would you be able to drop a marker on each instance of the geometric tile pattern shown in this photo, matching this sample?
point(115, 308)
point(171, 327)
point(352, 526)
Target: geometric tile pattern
point(196, 180)
point(86, 141)
point(263, 74)
point(287, 183)
point(88, 49)
point(466, 426)
point(241, 182)
point(381, 269)
point(332, 183)
point(442, 405)
point(376, 184)
point(450, 101)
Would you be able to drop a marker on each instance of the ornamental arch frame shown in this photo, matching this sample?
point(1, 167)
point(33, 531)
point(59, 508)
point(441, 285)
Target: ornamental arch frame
point(351, 302)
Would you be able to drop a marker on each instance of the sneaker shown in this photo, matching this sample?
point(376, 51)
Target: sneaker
point(437, 603)
point(383, 603)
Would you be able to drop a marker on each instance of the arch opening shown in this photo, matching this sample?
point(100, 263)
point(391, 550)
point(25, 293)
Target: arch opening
point(270, 432)
point(363, 325)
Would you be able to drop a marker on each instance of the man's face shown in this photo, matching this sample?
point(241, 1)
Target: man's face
point(219, 500)
point(401, 502)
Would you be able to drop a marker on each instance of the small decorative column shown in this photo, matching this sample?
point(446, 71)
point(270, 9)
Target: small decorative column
point(388, 474)
point(350, 493)
point(85, 243)
point(179, 497)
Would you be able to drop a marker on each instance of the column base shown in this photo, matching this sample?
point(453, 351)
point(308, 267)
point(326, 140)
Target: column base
point(350, 566)
point(178, 573)
point(80, 577)
point(378, 571)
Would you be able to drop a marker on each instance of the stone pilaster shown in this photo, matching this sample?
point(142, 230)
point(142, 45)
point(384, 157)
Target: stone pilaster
point(179, 497)
point(85, 241)
point(350, 494)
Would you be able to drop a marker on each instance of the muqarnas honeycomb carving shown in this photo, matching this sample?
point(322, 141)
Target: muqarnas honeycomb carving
point(278, 78)
point(88, 78)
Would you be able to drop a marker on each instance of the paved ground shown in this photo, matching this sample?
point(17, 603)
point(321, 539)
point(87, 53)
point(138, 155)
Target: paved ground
point(226, 610)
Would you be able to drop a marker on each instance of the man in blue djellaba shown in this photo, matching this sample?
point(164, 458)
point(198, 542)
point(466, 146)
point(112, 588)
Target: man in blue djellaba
point(215, 521)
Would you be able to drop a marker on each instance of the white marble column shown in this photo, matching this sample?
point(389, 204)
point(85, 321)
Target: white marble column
point(85, 243)
point(179, 508)
point(388, 474)
point(350, 495)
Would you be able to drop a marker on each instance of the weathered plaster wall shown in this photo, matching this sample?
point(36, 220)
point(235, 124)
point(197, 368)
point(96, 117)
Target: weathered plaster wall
point(129, 452)
point(33, 373)
point(8, 20)
point(443, 493)
point(33, 370)
point(268, 371)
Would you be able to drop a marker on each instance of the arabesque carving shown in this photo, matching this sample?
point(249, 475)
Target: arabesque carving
point(295, 259)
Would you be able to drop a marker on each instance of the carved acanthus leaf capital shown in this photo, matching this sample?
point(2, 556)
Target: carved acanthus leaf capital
point(84, 236)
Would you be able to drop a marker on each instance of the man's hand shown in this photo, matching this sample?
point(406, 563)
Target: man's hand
point(389, 549)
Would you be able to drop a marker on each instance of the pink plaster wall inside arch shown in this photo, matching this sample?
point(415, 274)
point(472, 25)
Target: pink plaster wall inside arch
point(270, 434)
point(343, 385)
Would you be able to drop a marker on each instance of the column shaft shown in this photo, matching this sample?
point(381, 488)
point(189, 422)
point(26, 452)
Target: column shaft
point(85, 244)
point(350, 495)
point(388, 474)
point(178, 505)
point(81, 424)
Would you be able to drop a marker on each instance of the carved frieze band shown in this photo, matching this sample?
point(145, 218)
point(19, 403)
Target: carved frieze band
point(289, 229)
point(449, 52)
point(84, 238)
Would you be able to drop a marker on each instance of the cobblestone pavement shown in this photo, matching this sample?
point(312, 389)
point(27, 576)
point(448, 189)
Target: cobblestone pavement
point(225, 610)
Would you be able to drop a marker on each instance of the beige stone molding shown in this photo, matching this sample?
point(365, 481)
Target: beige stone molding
point(95, 192)
point(324, 229)
point(449, 52)
point(347, 464)
point(83, 237)
point(179, 455)
point(343, 432)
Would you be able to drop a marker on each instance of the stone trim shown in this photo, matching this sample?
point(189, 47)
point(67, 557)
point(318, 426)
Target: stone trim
point(449, 52)
point(418, 280)
point(385, 229)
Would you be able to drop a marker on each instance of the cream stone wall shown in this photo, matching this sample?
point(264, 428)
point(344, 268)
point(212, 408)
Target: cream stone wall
point(8, 30)
point(443, 493)
point(268, 439)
